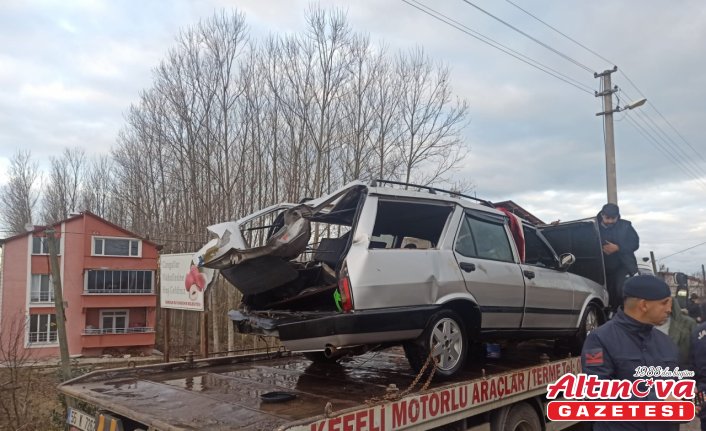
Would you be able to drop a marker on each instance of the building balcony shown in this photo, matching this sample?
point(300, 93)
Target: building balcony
point(119, 337)
point(112, 300)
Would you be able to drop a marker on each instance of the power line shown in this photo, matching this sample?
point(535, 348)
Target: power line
point(497, 45)
point(650, 103)
point(678, 134)
point(681, 251)
point(655, 143)
point(684, 159)
point(677, 154)
point(673, 144)
point(563, 34)
point(561, 54)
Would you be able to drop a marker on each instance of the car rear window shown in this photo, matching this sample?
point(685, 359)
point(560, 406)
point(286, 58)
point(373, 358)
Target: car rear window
point(409, 225)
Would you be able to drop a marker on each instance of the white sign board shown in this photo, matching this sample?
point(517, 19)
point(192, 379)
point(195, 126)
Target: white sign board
point(182, 283)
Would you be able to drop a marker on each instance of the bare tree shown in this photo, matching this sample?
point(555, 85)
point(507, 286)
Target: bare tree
point(387, 92)
point(358, 120)
point(18, 378)
point(431, 122)
point(230, 126)
point(62, 193)
point(19, 196)
point(96, 196)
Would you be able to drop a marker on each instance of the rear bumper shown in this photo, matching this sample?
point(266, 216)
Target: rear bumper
point(314, 331)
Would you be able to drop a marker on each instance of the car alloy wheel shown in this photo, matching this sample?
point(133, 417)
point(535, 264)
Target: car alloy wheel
point(447, 344)
point(445, 340)
point(591, 321)
point(592, 318)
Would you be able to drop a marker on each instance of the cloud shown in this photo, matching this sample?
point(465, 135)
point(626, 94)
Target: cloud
point(70, 70)
point(58, 92)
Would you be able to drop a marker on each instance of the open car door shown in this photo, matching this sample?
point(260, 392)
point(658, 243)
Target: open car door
point(582, 239)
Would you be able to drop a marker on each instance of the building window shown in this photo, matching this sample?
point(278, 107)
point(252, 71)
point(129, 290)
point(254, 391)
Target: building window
point(40, 245)
point(116, 247)
point(42, 289)
point(114, 322)
point(42, 328)
point(118, 282)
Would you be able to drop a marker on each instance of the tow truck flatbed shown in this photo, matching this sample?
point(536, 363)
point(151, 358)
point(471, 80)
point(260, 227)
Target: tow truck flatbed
point(226, 393)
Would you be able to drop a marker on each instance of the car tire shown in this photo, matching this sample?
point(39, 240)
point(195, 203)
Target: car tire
point(521, 417)
point(319, 358)
point(445, 335)
point(592, 318)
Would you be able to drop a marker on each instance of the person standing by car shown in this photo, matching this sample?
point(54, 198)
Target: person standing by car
point(620, 241)
point(698, 360)
point(630, 340)
point(694, 308)
point(679, 327)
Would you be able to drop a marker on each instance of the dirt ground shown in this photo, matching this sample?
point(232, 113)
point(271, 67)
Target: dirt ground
point(38, 408)
point(33, 403)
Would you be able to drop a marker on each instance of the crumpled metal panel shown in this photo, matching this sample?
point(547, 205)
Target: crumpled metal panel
point(288, 242)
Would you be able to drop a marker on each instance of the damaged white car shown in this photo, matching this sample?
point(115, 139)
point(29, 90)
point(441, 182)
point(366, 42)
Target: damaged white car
point(379, 264)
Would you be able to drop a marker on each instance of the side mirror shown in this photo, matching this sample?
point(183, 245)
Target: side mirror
point(566, 260)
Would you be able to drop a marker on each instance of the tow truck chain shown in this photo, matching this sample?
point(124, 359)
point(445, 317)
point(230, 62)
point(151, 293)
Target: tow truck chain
point(393, 394)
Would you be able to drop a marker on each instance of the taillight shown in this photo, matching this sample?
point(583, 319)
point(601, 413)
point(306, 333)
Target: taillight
point(344, 299)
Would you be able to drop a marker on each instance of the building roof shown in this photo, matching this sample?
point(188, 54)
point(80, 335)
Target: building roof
point(41, 229)
point(519, 211)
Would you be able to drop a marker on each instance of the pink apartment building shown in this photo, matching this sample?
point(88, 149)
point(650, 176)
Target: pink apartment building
point(108, 276)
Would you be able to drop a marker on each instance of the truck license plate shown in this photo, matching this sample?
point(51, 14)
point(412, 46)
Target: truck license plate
point(81, 420)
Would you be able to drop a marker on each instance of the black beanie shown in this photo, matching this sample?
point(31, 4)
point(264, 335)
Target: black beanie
point(610, 210)
point(646, 287)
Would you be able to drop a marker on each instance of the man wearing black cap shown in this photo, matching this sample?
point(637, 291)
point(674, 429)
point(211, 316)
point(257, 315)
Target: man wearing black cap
point(630, 340)
point(620, 241)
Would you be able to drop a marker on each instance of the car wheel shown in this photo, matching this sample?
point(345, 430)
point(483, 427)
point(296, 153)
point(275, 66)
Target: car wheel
point(592, 318)
point(445, 337)
point(521, 417)
point(319, 358)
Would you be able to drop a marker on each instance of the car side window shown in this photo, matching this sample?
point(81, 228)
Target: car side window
point(409, 225)
point(484, 238)
point(536, 251)
point(464, 241)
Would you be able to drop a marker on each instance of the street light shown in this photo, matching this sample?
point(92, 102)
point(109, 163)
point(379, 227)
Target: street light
point(632, 105)
point(607, 114)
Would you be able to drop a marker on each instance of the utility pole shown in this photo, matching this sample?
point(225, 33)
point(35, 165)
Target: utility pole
point(607, 94)
point(654, 264)
point(58, 303)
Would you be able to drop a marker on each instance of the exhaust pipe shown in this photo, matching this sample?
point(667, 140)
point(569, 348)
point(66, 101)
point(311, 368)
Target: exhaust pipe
point(335, 352)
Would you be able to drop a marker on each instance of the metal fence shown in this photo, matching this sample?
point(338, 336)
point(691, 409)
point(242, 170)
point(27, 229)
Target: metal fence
point(101, 331)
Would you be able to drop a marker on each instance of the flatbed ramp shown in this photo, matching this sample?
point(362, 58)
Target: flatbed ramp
point(226, 393)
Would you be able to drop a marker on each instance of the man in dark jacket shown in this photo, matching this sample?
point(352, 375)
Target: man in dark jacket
point(630, 340)
point(698, 360)
point(620, 241)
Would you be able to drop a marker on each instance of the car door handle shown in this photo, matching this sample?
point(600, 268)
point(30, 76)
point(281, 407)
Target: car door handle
point(467, 266)
point(529, 274)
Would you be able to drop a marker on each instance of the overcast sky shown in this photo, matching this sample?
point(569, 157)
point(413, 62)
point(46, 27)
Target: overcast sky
point(70, 69)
